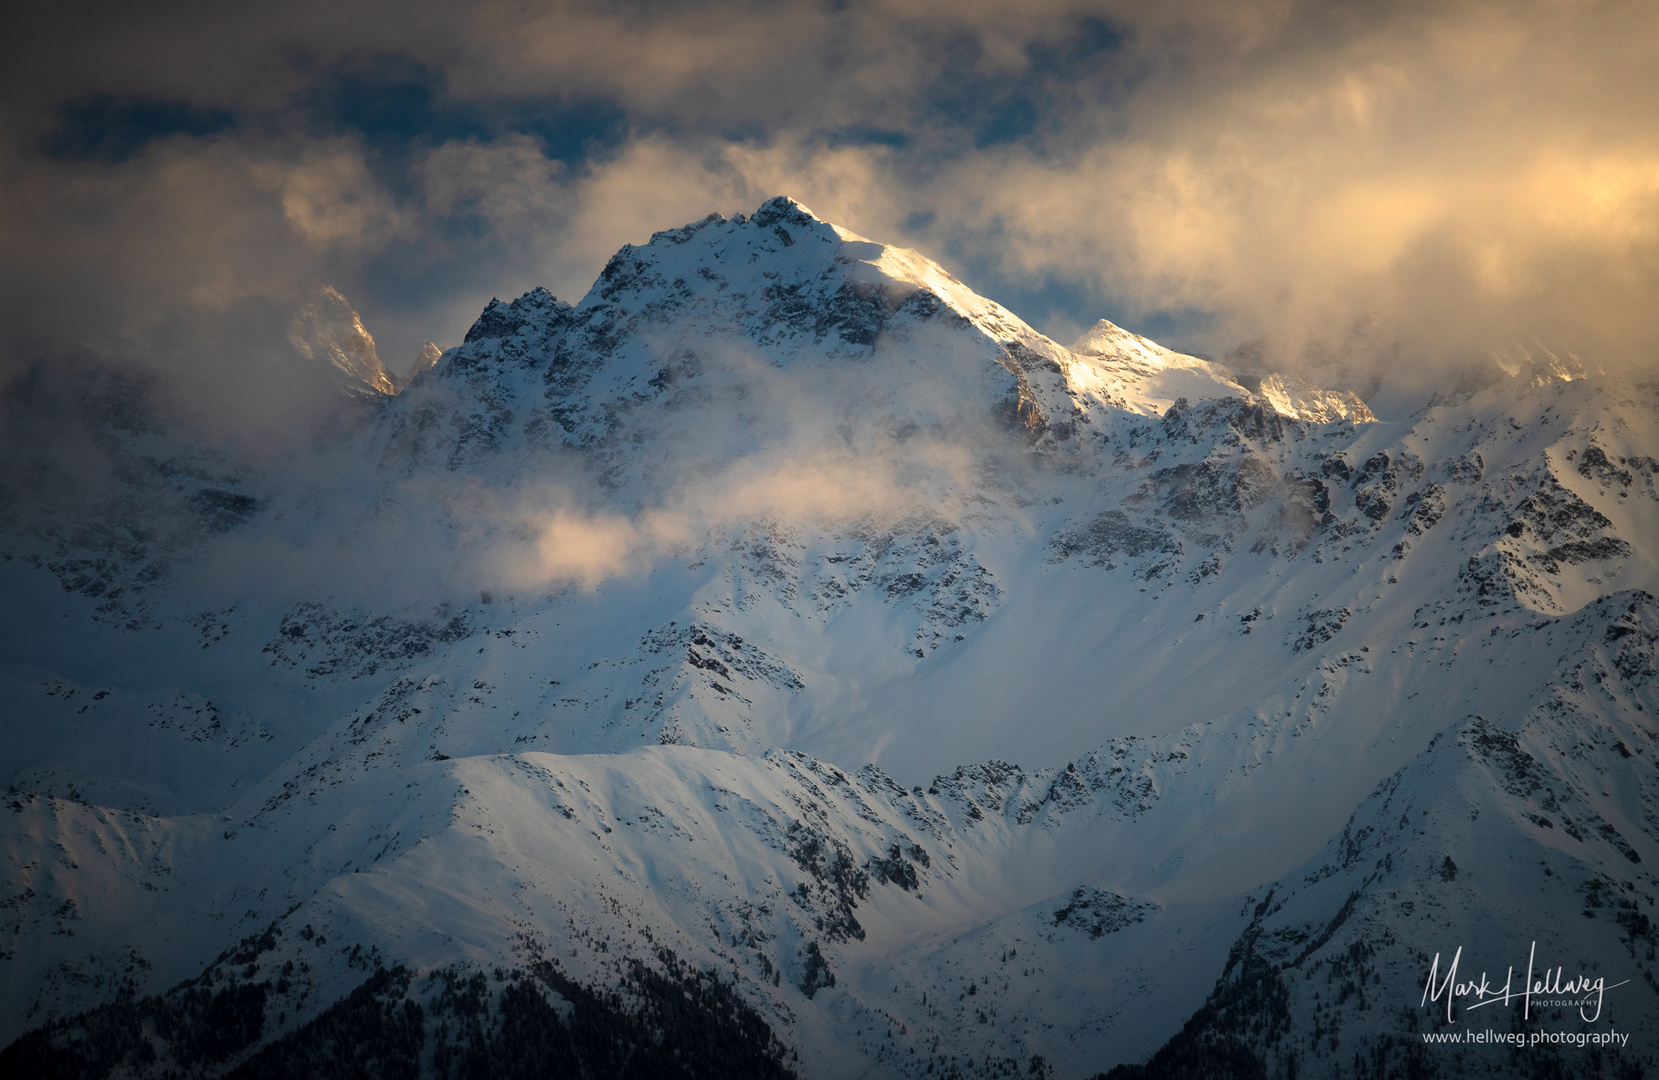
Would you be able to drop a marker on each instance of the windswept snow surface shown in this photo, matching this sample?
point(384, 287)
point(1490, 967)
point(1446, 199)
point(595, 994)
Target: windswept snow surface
point(956, 695)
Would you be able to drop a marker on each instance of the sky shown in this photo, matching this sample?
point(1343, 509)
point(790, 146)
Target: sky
point(1436, 182)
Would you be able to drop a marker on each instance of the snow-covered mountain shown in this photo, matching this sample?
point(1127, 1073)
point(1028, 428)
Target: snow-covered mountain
point(785, 629)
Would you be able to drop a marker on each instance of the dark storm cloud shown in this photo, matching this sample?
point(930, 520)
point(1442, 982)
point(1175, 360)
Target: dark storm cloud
point(110, 128)
point(397, 105)
point(1008, 104)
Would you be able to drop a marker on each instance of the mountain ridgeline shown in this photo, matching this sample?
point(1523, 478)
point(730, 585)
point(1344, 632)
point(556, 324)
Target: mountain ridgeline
point(785, 661)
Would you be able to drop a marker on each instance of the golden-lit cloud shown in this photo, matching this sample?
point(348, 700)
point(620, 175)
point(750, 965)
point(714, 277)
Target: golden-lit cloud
point(331, 200)
point(1470, 175)
point(793, 486)
point(1460, 176)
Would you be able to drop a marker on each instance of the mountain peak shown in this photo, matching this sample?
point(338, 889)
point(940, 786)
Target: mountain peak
point(499, 320)
point(425, 359)
point(1107, 338)
point(328, 330)
point(671, 328)
point(783, 208)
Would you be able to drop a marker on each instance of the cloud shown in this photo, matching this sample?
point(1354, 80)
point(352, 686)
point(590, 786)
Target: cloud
point(1459, 177)
point(331, 200)
point(1467, 175)
point(550, 526)
point(112, 128)
point(789, 487)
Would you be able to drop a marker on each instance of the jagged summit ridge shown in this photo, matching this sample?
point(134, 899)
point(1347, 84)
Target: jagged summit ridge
point(840, 292)
point(700, 317)
point(327, 330)
point(712, 319)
